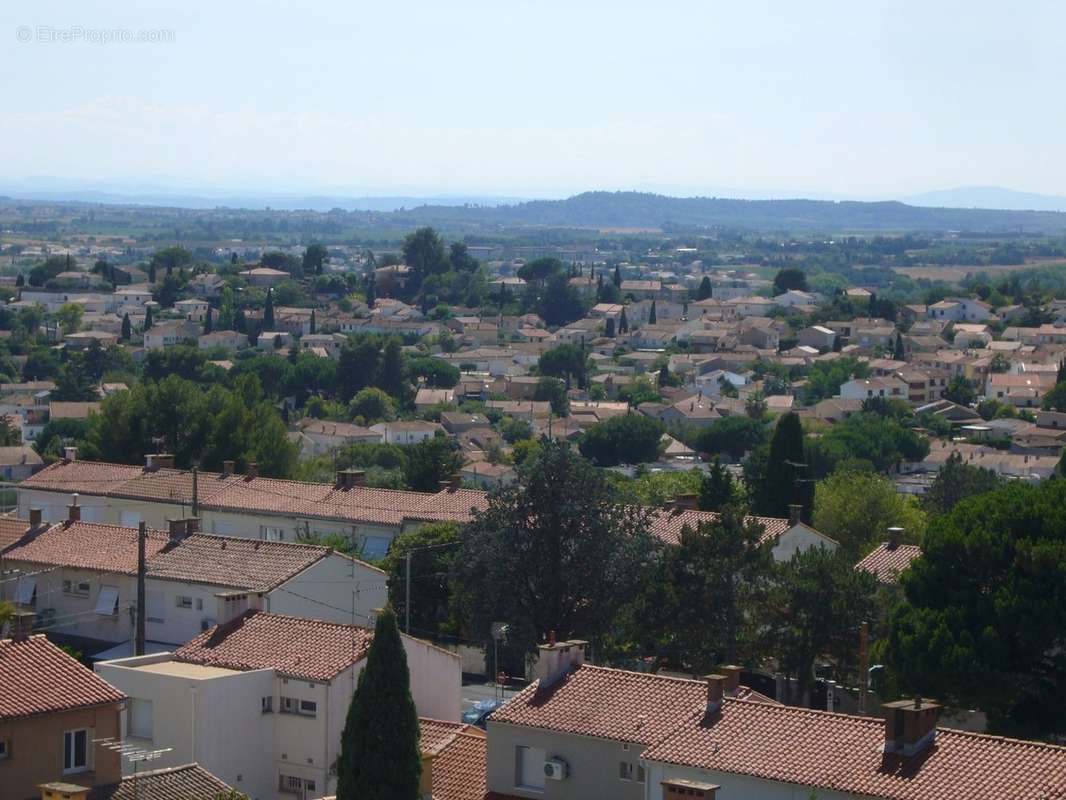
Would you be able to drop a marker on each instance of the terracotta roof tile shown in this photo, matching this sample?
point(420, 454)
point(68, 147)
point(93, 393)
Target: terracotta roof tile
point(87, 545)
point(37, 678)
point(189, 782)
point(308, 649)
point(887, 562)
point(86, 477)
point(667, 525)
point(11, 530)
point(232, 561)
point(459, 768)
point(607, 703)
point(843, 753)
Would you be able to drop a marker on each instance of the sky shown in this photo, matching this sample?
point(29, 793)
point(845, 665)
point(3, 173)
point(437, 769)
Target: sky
point(814, 98)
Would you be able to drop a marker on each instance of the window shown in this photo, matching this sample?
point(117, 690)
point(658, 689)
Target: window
point(107, 601)
point(296, 785)
point(155, 605)
point(139, 718)
point(182, 601)
point(292, 705)
point(625, 771)
point(199, 604)
point(272, 534)
point(309, 707)
point(529, 768)
point(5, 749)
point(76, 751)
point(80, 588)
point(268, 704)
point(26, 591)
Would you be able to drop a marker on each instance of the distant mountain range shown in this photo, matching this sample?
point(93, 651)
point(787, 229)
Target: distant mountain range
point(976, 209)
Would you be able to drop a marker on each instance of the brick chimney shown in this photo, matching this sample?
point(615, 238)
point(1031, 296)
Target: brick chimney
point(154, 461)
point(455, 483)
point(794, 511)
point(895, 537)
point(716, 688)
point(228, 468)
point(910, 725)
point(252, 471)
point(687, 502)
point(192, 525)
point(35, 517)
point(22, 625)
point(74, 510)
point(350, 478)
point(178, 528)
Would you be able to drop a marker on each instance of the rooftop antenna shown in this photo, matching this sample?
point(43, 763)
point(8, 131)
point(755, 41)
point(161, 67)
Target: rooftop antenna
point(133, 754)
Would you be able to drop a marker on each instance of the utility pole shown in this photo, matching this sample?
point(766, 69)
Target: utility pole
point(142, 539)
point(407, 595)
point(864, 665)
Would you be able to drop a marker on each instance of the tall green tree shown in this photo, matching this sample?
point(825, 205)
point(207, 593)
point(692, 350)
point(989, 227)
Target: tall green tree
point(652, 316)
point(786, 480)
point(717, 488)
point(857, 508)
point(790, 278)
point(956, 481)
point(423, 252)
point(433, 548)
point(380, 757)
point(127, 328)
point(391, 375)
point(432, 461)
point(268, 311)
point(704, 290)
point(617, 279)
point(984, 610)
point(625, 439)
point(565, 542)
point(314, 258)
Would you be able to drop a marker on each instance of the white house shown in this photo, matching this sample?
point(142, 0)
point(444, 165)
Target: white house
point(407, 431)
point(869, 388)
point(260, 700)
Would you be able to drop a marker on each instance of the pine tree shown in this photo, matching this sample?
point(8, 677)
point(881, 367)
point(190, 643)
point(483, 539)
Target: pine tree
point(623, 323)
point(652, 317)
point(313, 326)
point(240, 323)
point(617, 277)
point(151, 273)
point(371, 290)
point(380, 757)
point(268, 311)
point(716, 488)
point(208, 321)
point(898, 354)
point(148, 319)
point(391, 380)
point(704, 292)
point(127, 328)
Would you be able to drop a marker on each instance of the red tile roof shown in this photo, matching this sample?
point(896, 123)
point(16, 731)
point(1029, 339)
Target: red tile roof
point(11, 530)
point(887, 562)
point(842, 753)
point(189, 782)
point(231, 561)
point(459, 767)
point(308, 649)
point(87, 545)
point(38, 678)
point(436, 733)
point(607, 703)
point(266, 495)
point(667, 524)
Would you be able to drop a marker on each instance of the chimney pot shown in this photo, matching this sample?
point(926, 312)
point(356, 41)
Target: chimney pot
point(178, 529)
point(794, 511)
point(253, 470)
point(715, 691)
point(227, 468)
point(895, 537)
point(687, 502)
point(22, 625)
point(70, 453)
point(732, 674)
point(910, 725)
point(74, 510)
point(35, 517)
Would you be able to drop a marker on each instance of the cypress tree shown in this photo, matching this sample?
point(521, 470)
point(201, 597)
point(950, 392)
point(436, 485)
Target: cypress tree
point(127, 328)
point(617, 277)
point(208, 321)
point(784, 484)
point(380, 757)
point(609, 328)
point(20, 281)
point(704, 291)
point(391, 380)
point(652, 317)
point(623, 323)
point(148, 319)
point(313, 325)
point(898, 353)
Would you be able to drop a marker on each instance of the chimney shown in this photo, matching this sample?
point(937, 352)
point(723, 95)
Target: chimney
point(455, 482)
point(349, 478)
point(794, 511)
point(732, 675)
point(715, 692)
point(70, 453)
point(22, 625)
point(192, 525)
point(178, 529)
point(687, 502)
point(358, 477)
point(252, 471)
point(895, 537)
point(232, 604)
point(910, 725)
point(35, 517)
point(425, 783)
point(227, 468)
point(556, 659)
point(74, 510)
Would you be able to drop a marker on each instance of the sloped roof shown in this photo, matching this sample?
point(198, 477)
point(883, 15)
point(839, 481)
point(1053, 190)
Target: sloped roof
point(667, 524)
point(844, 753)
point(308, 649)
point(38, 678)
point(886, 561)
point(458, 759)
point(87, 545)
point(188, 782)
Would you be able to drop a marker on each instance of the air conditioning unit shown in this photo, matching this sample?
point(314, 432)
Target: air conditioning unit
point(556, 769)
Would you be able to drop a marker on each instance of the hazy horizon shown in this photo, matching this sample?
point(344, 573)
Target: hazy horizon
point(827, 100)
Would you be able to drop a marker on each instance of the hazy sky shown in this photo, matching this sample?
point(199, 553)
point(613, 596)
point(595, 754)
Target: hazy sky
point(858, 97)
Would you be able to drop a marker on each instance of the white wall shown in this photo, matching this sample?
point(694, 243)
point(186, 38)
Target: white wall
point(324, 591)
point(436, 679)
point(734, 787)
point(797, 539)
